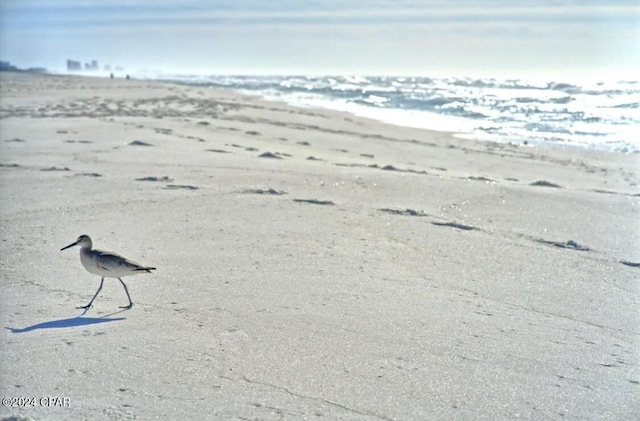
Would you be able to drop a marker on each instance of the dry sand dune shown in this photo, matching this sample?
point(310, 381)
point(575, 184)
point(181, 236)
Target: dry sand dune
point(311, 264)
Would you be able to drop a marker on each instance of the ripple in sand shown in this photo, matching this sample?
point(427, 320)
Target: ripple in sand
point(16, 140)
point(10, 165)
point(631, 264)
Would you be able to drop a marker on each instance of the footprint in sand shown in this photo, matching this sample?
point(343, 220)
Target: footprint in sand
point(481, 178)
point(199, 139)
point(411, 212)
point(269, 155)
point(389, 168)
point(89, 174)
point(392, 168)
point(139, 143)
point(269, 191)
point(544, 183)
point(55, 169)
point(405, 212)
point(631, 264)
point(455, 225)
point(315, 202)
point(571, 245)
point(164, 179)
point(180, 186)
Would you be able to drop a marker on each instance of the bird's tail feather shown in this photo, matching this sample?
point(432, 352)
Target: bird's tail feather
point(148, 270)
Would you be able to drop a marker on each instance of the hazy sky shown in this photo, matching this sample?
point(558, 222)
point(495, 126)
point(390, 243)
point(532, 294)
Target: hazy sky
point(531, 38)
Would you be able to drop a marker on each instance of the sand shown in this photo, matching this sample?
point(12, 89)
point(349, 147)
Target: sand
point(311, 264)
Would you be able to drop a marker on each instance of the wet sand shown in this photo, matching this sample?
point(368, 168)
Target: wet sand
point(311, 264)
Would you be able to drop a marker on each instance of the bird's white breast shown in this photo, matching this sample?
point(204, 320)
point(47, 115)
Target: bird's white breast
point(90, 263)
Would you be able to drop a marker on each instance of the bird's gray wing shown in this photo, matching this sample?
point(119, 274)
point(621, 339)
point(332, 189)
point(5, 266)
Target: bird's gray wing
point(106, 260)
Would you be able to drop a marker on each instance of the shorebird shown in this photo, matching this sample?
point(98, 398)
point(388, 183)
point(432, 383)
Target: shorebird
point(106, 265)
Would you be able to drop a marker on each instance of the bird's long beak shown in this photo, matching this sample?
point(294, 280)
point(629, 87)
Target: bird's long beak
point(70, 245)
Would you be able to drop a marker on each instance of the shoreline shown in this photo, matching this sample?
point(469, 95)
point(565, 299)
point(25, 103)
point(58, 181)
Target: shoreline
point(557, 127)
point(465, 136)
point(310, 263)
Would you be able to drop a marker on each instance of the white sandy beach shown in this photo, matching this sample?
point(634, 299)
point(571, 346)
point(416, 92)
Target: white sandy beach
point(311, 264)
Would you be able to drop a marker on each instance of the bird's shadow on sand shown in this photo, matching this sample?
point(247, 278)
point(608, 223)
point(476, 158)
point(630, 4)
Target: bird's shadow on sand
point(76, 321)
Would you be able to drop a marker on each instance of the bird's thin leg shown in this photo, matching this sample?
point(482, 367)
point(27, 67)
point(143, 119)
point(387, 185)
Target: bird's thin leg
point(94, 297)
point(129, 297)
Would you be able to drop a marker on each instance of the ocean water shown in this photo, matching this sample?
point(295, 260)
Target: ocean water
point(602, 116)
